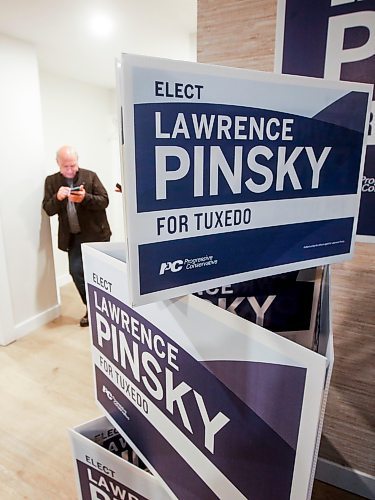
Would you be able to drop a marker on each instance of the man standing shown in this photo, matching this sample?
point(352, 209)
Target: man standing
point(79, 199)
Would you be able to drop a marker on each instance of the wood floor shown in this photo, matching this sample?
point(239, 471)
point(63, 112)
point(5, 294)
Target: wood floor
point(46, 387)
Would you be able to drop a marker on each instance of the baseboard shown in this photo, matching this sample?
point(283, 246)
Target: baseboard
point(345, 478)
point(364, 239)
point(36, 321)
point(63, 279)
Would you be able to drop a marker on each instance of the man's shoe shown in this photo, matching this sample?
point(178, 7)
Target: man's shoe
point(84, 321)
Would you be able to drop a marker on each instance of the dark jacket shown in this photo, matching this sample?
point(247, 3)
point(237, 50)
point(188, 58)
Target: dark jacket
point(91, 212)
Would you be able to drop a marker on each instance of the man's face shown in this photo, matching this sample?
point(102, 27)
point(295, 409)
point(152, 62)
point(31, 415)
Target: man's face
point(68, 164)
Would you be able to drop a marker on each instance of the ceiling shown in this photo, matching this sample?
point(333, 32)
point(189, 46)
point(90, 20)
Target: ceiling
point(62, 33)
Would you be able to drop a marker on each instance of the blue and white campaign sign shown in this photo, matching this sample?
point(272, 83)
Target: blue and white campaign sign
point(105, 468)
point(233, 174)
point(333, 39)
point(216, 406)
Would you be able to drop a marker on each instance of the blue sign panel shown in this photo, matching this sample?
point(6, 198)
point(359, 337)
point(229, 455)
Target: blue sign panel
point(148, 383)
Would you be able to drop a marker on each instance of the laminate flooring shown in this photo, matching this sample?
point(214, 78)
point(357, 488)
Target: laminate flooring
point(46, 387)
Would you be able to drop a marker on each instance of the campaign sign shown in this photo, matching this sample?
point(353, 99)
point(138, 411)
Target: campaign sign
point(216, 406)
point(232, 174)
point(333, 39)
point(286, 304)
point(101, 471)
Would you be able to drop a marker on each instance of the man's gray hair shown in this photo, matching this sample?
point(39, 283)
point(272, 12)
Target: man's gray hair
point(70, 148)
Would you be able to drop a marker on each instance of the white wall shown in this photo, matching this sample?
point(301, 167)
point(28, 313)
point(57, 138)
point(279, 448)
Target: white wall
point(27, 284)
point(38, 113)
point(84, 116)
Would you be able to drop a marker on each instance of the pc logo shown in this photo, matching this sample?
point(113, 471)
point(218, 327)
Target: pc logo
point(171, 266)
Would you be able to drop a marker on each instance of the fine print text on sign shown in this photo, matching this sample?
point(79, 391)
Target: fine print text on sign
point(232, 174)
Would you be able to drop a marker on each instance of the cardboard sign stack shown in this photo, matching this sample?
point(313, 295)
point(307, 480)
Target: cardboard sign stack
point(240, 188)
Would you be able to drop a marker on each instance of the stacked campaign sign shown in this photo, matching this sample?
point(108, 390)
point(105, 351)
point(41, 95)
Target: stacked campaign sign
point(216, 406)
point(286, 304)
point(233, 174)
point(333, 39)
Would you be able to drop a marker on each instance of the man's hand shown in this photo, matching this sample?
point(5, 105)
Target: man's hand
point(77, 196)
point(63, 193)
